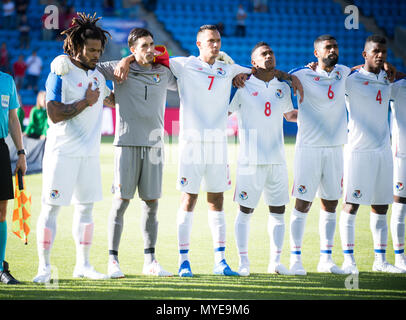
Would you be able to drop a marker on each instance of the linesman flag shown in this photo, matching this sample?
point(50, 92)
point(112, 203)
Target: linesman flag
point(22, 209)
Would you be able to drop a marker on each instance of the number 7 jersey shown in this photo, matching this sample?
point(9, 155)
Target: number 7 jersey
point(322, 118)
point(204, 92)
point(367, 98)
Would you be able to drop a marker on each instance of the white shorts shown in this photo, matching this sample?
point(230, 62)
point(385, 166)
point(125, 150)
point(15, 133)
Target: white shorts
point(251, 180)
point(318, 170)
point(399, 177)
point(67, 180)
point(203, 162)
point(368, 177)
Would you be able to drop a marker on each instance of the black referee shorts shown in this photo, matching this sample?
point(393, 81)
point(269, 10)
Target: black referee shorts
point(6, 176)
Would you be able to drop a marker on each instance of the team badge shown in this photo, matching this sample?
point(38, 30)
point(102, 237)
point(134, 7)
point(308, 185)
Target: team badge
point(221, 71)
point(255, 93)
point(400, 186)
point(357, 194)
point(338, 75)
point(96, 82)
point(156, 78)
point(316, 78)
point(386, 80)
point(183, 181)
point(302, 189)
point(54, 194)
point(279, 93)
point(243, 195)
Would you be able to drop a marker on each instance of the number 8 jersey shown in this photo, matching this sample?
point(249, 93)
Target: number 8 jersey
point(322, 118)
point(367, 98)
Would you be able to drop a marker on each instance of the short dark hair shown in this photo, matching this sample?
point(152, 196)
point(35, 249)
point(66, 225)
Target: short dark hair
point(323, 37)
point(205, 27)
point(137, 33)
point(376, 38)
point(258, 45)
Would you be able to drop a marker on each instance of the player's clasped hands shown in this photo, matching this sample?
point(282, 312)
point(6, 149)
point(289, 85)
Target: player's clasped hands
point(92, 95)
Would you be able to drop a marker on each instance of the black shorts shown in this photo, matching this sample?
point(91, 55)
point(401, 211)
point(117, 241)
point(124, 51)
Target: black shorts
point(6, 176)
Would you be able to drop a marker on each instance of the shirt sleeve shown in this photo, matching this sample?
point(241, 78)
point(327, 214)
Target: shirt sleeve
point(53, 88)
point(394, 91)
point(235, 104)
point(107, 69)
point(237, 69)
point(287, 99)
point(14, 103)
point(176, 65)
point(172, 82)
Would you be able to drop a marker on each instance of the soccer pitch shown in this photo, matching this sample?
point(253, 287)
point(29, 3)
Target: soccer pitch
point(204, 285)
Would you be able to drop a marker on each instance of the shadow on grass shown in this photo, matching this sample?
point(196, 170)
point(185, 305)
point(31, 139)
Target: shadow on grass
point(208, 287)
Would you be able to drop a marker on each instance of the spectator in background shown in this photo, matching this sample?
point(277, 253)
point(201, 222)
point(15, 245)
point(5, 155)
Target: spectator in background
point(69, 15)
point(21, 9)
point(24, 29)
point(108, 8)
point(241, 17)
point(34, 66)
point(8, 14)
point(4, 60)
point(19, 68)
point(38, 123)
point(260, 5)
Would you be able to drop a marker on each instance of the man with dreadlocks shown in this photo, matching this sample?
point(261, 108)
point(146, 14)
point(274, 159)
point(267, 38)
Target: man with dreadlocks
point(71, 161)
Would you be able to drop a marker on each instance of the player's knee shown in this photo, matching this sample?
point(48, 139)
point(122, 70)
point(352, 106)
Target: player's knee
point(246, 210)
point(380, 209)
point(277, 209)
point(351, 208)
point(3, 210)
point(328, 205)
point(188, 201)
point(150, 207)
point(302, 205)
point(215, 201)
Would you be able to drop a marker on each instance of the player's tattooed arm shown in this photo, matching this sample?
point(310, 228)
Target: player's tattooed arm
point(293, 81)
point(58, 111)
point(110, 101)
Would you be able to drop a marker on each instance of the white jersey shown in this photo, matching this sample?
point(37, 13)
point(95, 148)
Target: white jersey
point(322, 118)
point(399, 118)
point(260, 107)
point(79, 136)
point(367, 98)
point(204, 92)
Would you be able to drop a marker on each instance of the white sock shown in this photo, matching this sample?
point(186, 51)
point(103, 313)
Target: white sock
point(297, 226)
point(46, 231)
point(217, 224)
point(184, 223)
point(397, 225)
point(82, 231)
point(327, 226)
point(276, 231)
point(347, 234)
point(242, 229)
point(379, 229)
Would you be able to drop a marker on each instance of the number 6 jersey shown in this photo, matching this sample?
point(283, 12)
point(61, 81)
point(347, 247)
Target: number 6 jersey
point(322, 118)
point(367, 98)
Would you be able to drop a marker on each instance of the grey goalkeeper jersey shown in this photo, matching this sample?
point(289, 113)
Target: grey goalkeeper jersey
point(140, 103)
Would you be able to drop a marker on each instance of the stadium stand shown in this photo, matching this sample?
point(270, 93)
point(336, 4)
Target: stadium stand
point(290, 26)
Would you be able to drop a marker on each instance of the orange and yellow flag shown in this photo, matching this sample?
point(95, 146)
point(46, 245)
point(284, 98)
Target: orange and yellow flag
point(22, 210)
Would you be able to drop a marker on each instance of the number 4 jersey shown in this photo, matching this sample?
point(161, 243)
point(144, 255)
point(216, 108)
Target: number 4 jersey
point(322, 118)
point(367, 98)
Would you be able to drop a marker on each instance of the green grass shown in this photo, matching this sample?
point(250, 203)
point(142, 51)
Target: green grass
point(260, 285)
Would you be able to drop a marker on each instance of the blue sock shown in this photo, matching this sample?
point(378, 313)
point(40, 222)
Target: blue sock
point(3, 241)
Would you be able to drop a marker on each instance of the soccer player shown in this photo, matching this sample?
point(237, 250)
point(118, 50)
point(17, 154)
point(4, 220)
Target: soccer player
point(318, 165)
point(8, 123)
point(397, 222)
point(71, 170)
point(260, 106)
point(204, 84)
point(368, 168)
